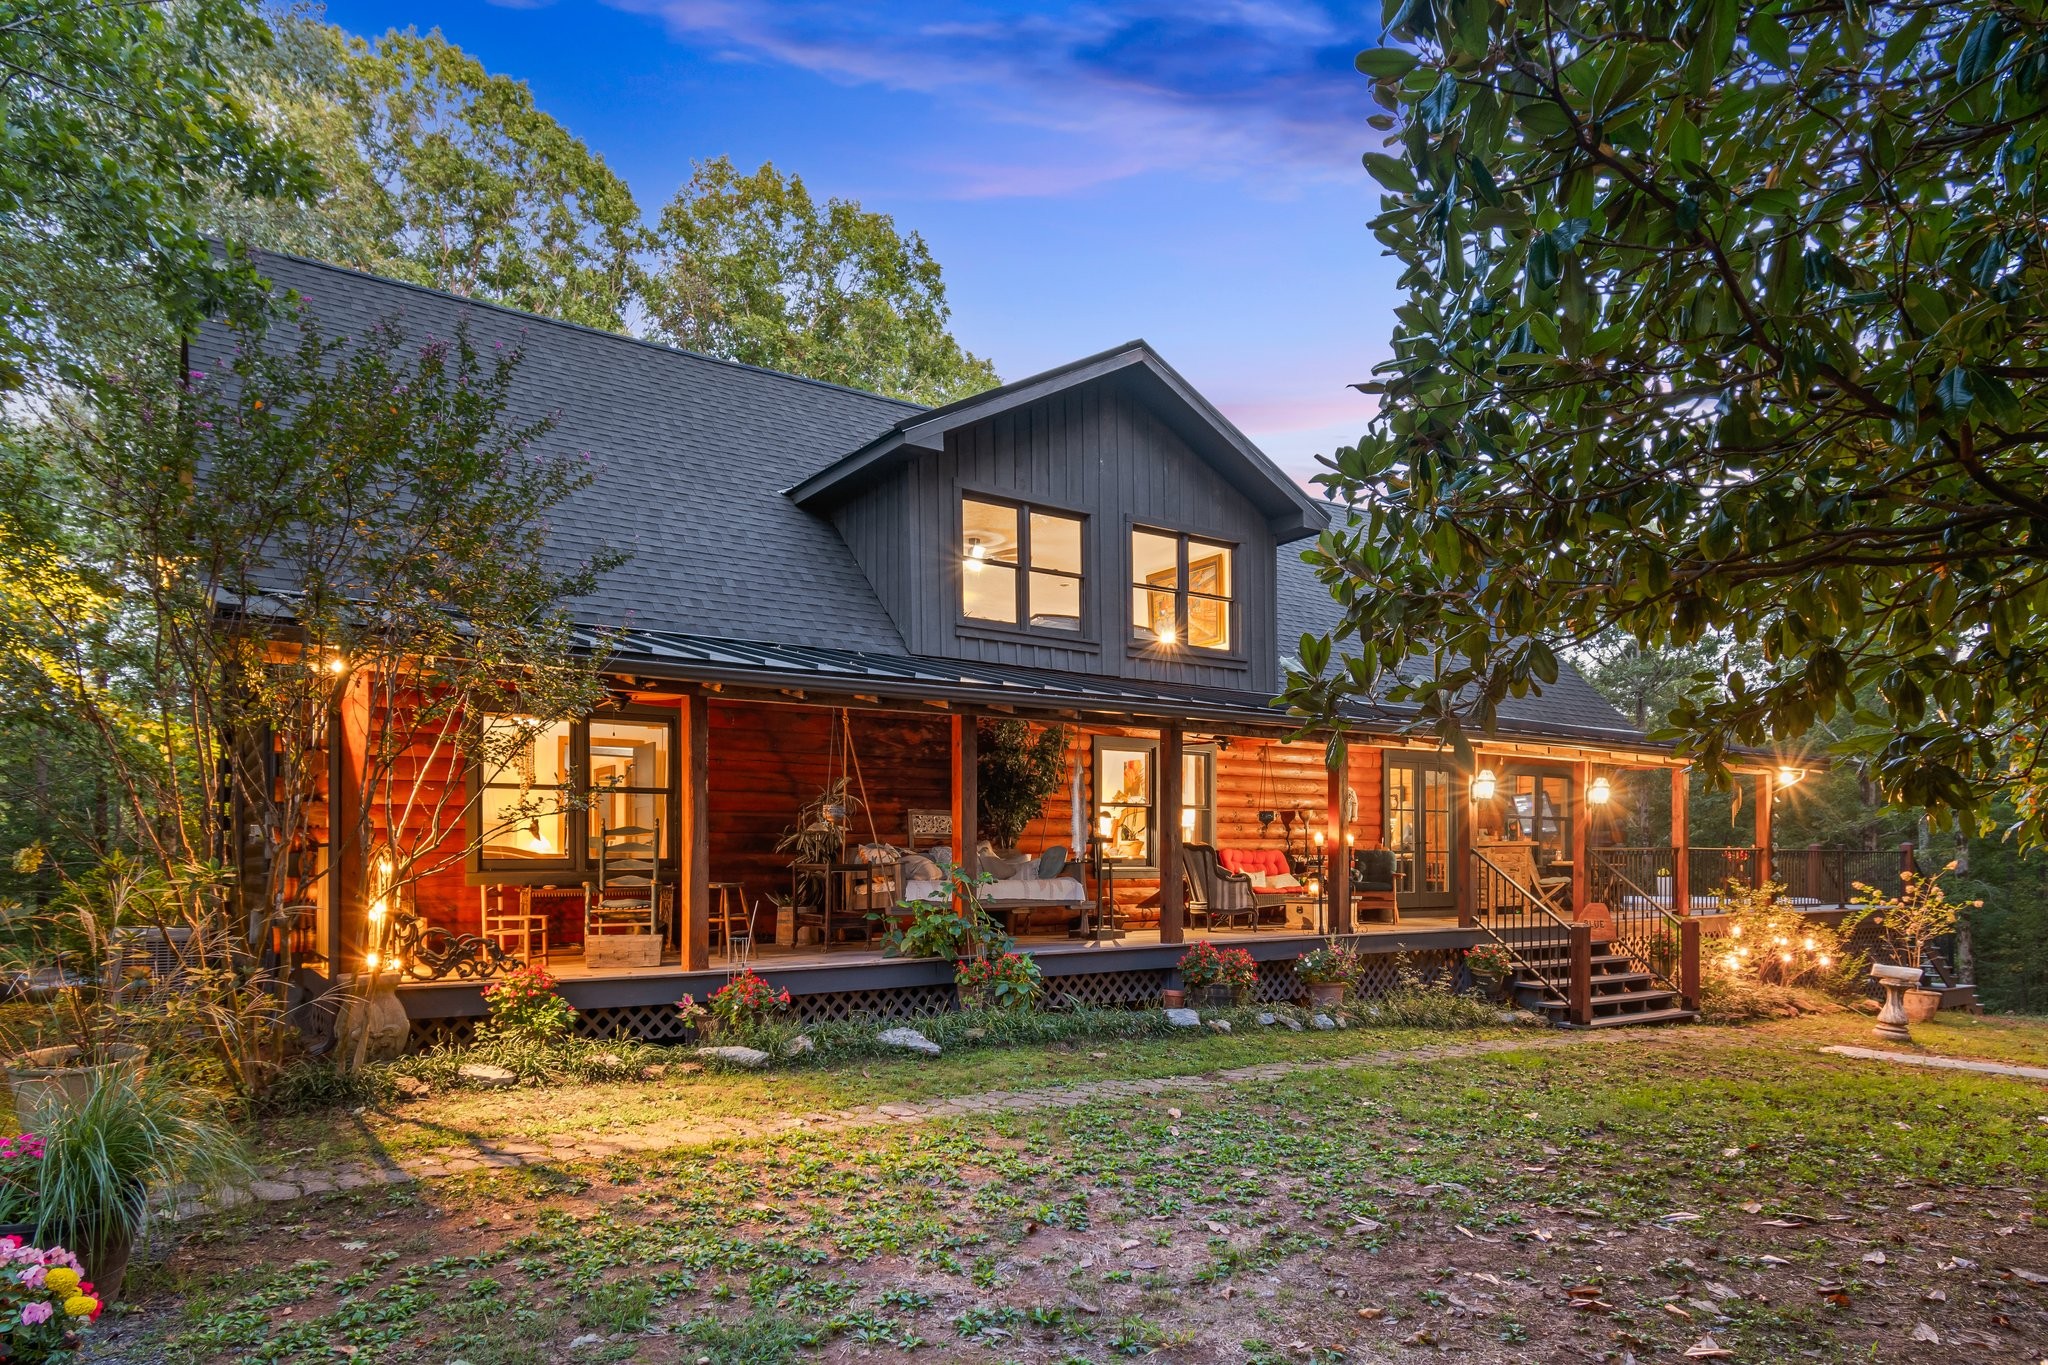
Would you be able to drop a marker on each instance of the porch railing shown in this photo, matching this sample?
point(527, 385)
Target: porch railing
point(1635, 886)
point(1714, 868)
point(1522, 922)
point(1813, 876)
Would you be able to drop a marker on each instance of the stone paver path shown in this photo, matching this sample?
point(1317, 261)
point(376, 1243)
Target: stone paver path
point(684, 1132)
point(1871, 1054)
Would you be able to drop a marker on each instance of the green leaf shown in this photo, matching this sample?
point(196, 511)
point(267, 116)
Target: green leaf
point(1770, 41)
point(1982, 48)
point(1385, 61)
point(1952, 391)
point(1390, 171)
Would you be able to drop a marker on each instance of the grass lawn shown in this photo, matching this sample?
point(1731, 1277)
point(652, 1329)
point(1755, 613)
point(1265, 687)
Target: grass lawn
point(1625, 1196)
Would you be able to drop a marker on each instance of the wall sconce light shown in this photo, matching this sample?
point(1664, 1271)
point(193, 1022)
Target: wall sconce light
point(1599, 792)
point(1483, 784)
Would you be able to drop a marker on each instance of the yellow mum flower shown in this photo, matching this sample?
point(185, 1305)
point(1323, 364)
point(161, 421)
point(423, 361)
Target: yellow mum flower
point(61, 1280)
point(81, 1305)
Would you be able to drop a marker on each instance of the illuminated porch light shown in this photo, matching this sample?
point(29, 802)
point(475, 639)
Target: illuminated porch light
point(1598, 793)
point(1790, 777)
point(337, 664)
point(1483, 784)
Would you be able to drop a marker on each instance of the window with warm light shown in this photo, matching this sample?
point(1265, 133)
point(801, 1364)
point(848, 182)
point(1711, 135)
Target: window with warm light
point(1020, 566)
point(539, 783)
point(1539, 811)
point(1126, 793)
point(1182, 590)
point(526, 769)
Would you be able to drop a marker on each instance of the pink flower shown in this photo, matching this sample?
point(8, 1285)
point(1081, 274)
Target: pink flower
point(36, 1312)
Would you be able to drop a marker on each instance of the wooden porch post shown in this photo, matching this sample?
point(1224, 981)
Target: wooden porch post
point(1338, 878)
point(1579, 989)
point(966, 794)
point(346, 827)
point(693, 835)
point(1172, 902)
point(1582, 871)
point(1681, 842)
point(1689, 964)
point(1764, 800)
point(1464, 871)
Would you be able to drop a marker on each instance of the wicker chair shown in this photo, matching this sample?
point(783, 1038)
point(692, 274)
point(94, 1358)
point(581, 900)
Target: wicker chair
point(1221, 897)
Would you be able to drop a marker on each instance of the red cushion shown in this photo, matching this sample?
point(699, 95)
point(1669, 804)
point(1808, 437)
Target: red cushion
point(1270, 861)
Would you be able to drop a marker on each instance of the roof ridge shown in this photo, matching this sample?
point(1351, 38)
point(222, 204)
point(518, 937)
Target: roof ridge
point(647, 342)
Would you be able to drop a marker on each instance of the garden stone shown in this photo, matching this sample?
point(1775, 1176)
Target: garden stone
point(487, 1076)
point(1323, 1021)
point(412, 1087)
point(653, 1073)
point(750, 1057)
point(908, 1039)
point(1268, 1019)
point(1220, 1025)
point(1183, 1018)
point(799, 1045)
point(587, 1339)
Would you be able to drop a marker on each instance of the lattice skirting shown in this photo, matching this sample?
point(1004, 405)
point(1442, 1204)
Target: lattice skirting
point(431, 1033)
point(1383, 970)
point(1108, 990)
point(648, 1023)
point(896, 1002)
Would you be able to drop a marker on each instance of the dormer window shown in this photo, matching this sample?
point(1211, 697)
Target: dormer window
point(1182, 588)
point(1020, 566)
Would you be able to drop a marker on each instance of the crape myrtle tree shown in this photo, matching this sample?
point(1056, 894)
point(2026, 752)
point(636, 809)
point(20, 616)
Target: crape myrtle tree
point(1724, 323)
point(300, 529)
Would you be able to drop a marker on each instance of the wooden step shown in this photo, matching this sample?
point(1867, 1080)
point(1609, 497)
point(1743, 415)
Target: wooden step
point(1674, 1015)
point(1658, 995)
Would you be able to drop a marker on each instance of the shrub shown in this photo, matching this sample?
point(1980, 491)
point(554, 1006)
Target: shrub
point(1334, 964)
point(1008, 981)
point(1918, 915)
point(1204, 964)
point(44, 1295)
point(745, 1002)
point(1768, 941)
point(524, 1004)
point(952, 926)
point(21, 1177)
point(534, 1061)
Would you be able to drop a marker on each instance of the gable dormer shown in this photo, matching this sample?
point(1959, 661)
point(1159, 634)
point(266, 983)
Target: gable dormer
point(1102, 518)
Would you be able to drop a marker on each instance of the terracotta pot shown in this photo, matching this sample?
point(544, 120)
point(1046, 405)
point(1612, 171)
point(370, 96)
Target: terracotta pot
point(106, 1266)
point(1172, 1000)
point(1921, 1005)
point(64, 1075)
point(1326, 992)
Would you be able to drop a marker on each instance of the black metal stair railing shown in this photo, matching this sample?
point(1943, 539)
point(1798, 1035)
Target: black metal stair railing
point(1634, 885)
point(1521, 920)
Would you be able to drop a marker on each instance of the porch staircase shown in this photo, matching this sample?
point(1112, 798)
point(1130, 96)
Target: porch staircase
point(1938, 974)
point(1624, 995)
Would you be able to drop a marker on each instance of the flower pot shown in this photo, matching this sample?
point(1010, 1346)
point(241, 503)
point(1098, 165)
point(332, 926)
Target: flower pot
point(1217, 997)
point(106, 1266)
point(1172, 1000)
point(1921, 1005)
point(1326, 992)
point(63, 1075)
point(1490, 985)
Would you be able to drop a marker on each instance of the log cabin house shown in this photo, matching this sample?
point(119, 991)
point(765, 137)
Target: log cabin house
point(828, 585)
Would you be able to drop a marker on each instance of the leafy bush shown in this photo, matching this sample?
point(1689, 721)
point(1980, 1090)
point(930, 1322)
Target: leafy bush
point(1009, 981)
point(1765, 940)
point(1204, 964)
point(744, 1003)
point(952, 926)
point(1018, 766)
point(534, 1061)
point(1427, 1006)
point(1918, 915)
point(1333, 964)
point(524, 1004)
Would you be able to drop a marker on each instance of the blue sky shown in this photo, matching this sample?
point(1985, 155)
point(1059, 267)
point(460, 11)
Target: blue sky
point(1085, 172)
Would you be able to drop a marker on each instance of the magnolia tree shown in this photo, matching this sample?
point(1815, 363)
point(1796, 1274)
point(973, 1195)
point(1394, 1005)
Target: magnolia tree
point(309, 561)
point(1724, 326)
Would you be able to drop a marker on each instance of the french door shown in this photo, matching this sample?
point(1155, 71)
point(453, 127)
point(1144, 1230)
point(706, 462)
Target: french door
point(1419, 832)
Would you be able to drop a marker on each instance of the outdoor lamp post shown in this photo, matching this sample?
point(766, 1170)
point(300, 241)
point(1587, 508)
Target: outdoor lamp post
point(1322, 876)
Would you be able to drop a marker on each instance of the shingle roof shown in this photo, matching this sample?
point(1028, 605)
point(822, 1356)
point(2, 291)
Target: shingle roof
point(693, 454)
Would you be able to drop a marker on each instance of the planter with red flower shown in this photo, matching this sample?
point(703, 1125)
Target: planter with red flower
point(524, 1004)
point(1490, 967)
point(1219, 977)
point(1004, 981)
point(1329, 972)
point(741, 1008)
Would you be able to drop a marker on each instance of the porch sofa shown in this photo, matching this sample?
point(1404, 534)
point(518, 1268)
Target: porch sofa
point(1273, 881)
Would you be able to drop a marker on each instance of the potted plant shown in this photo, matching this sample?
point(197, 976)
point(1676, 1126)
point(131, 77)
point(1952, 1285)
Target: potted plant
point(1329, 972)
point(134, 1137)
point(46, 1301)
point(21, 1184)
point(1219, 977)
point(1490, 967)
point(1004, 981)
point(1017, 766)
point(1908, 923)
point(524, 1005)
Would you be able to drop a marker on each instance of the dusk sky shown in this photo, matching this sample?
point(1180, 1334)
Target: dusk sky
point(1085, 173)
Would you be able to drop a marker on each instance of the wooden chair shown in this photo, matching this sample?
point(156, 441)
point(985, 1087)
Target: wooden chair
point(1517, 863)
point(626, 897)
point(515, 929)
point(734, 922)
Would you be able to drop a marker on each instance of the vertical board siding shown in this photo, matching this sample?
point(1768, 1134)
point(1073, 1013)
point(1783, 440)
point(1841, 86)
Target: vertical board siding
point(1094, 450)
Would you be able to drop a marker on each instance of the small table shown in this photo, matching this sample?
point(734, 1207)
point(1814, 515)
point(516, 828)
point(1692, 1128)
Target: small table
point(726, 916)
point(848, 888)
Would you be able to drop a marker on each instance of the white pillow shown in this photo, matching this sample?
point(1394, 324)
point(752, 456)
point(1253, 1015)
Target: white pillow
point(1258, 880)
point(1282, 881)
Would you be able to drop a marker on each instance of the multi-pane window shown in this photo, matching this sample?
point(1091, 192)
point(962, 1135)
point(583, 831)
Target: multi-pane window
point(1181, 590)
point(1020, 566)
point(1126, 795)
point(538, 783)
point(1538, 806)
point(1419, 831)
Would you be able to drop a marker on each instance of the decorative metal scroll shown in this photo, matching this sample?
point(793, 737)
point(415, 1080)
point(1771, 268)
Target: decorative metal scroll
point(431, 953)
